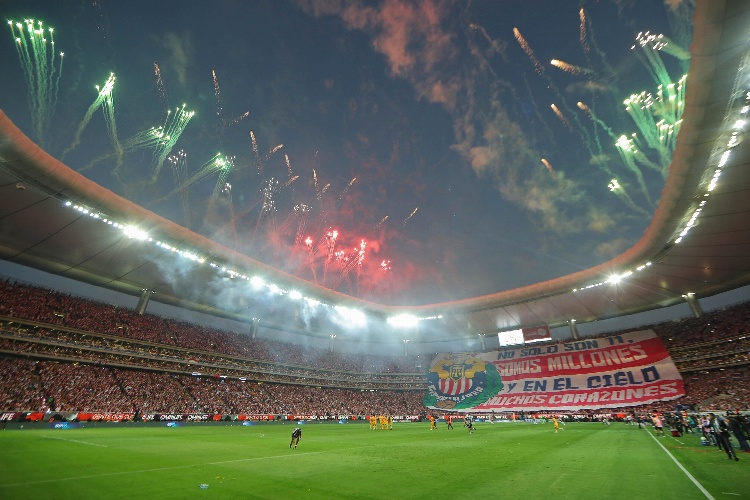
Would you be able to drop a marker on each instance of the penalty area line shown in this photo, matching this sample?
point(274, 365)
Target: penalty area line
point(683, 469)
point(75, 441)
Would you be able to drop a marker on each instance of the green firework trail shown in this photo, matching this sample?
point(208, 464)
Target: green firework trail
point(104, 94)
point(35, 48)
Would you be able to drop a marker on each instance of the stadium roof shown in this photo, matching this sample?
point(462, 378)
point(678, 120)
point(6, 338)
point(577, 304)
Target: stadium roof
point(698, 242)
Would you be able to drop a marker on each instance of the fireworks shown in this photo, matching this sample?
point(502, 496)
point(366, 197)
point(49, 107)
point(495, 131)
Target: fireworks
point(615, 187)
point(217, 94)
point(222, 123)
point(104, 98)
point(529, 52)
point(235, 191)
point(582, 35)
point(349, 263)
point(301, 211)
point(219, 163)
point(41, 71)
point(383, 268)
point(270, 186)
point(178, 163)
point(256, 153)
point(146, 139)
point(161, 139)
point(223, 165)
point(590, 113)
point(570, 68)
point(657, 115)
point(652, 61)
point(562, 118)
point(410, 216)
point(330, 240)
point(319, 192)
point(340, 199)
point(160, 86)
point(548, 166)
point(658, 41)
point(168, 135)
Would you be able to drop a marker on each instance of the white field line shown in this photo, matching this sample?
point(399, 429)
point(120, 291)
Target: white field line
point(683, 469)
point(75, 441)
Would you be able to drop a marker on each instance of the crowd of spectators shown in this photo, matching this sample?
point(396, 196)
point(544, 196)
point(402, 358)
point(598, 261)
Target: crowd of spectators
point(53, 386)
point(49, 307)
point(80, 387)
point(21, 389)
point(75, 346)
point(63, 353)
point(721, 324)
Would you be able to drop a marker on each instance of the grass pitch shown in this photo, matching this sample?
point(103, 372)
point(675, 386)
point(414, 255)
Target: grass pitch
point(350, 461)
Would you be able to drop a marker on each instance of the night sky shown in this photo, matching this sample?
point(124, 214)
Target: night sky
point(416, 127)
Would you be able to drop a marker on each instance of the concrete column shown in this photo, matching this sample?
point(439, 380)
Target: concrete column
point(573, 329)
point(143, 301)
point(694, 305)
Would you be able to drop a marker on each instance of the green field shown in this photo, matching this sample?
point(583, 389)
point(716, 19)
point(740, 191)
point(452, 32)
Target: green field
point(511, 460)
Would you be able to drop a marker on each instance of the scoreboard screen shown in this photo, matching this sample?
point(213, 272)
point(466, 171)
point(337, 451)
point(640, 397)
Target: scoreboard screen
point(512, 337)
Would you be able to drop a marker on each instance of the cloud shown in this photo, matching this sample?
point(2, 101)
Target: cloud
point(180, 50)
point(409, 34)
point(418, 40)
point(673, 4)
point(444, 92)
point(610, 248)
point(600, 221)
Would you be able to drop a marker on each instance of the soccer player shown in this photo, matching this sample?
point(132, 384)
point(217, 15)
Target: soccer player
point(469, 423)
point(555, 424)
point(373, 422)
point(658, 424)
point(449, 420)
point(296, 436)
point(390, 422)
point(433, 423)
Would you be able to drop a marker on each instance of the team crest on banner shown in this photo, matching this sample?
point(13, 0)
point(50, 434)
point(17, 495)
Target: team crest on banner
point(460, 381)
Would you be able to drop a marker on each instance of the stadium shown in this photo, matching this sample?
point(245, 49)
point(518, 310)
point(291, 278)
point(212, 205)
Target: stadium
point(193, 384)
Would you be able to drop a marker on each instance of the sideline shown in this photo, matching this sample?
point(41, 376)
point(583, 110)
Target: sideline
point(683, 469)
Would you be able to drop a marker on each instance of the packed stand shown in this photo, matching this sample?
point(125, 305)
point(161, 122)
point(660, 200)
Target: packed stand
point(125, 361)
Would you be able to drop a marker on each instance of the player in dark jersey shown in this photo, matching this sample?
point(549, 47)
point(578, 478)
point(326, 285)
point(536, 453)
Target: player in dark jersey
point(469, 423)
point(296, 436)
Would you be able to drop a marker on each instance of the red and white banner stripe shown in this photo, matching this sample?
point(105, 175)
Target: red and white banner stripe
point(623, 370)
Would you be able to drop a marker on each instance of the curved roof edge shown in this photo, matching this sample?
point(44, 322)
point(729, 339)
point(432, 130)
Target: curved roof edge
point(717, 51)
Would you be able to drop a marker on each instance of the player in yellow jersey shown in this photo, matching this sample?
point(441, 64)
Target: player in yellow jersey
point(555, 424)
point(373, 422)
point(433, 423)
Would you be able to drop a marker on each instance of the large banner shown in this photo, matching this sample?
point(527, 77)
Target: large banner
point(623, 370)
